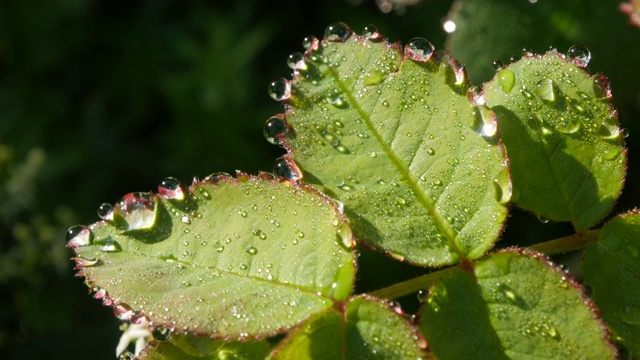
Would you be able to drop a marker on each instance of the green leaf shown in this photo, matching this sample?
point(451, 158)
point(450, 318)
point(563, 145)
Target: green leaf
point(189, 347)
point(562, 136)
point(238, 258)
point(513, 305)
point(392, 135)
point(611, 268)
point(364, 329)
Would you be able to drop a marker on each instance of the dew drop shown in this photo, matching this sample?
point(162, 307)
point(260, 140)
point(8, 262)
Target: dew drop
point(339, 102)
point(105, 212)
point(510, 295)
point(484, 123)
point(372, 154)
point(216, 177)
point(171, 188)
point(545, 90)
point(624, 132)
point(385, 103)
point(526, 94)
point(283, 169)
point(568, 126)
point(342, 149)
point(373, 77)
point(371, 33)
point(345, 187)
point(580, 55)
point(422, 295)
point(337, 32)
point(503, 187)
point(309, 42)
point(497, 65)
point(543, 220)
point(110, 246)
point(243, 267)
point(419, 49)
point(274, 127)
point(279, 89)
point(252, 250)
point(126, 355)
point(161, 333)
point(612, 153)
point(78, 235)
point(296, 61)
point(185, 220)
point(259, 233)
point(506, 79)
point(123, 312)
point(430, 151)
point(218, 247)
point(345, 236)
point(138, 210)
point(204, 193)
point(86, 262)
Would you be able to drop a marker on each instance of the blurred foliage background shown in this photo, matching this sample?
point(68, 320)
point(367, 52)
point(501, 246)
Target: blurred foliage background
point(101, 98)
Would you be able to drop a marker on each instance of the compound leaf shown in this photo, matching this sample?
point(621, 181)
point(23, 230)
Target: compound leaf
point(612, 268)
point(232, 258)
point(565, 146)
point(364, 329)
point(391, 134)
point(514, 305)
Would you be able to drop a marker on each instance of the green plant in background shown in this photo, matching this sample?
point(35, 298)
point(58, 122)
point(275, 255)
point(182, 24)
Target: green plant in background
point(391, 148)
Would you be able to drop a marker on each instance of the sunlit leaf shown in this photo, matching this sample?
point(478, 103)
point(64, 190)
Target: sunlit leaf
point(229, 258)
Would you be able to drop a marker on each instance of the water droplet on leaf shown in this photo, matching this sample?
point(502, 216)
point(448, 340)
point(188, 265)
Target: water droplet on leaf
point(296, 62)
point(568, 126)
point(506, 79)
point(273, 128)
point(123, 311)
point(546, 91)
point(309, 42)
point(345, 235)
point(430, 151)
point(105, 212)
point(279, 89)
point(497, 65)
point(84, 262)
point(110, 246)
point(161, 334)
point(371, 33)
point(337, 32)
point(503, 187)
point(138, 210)
point(419, 49)
point(484, 123)
point(252, 250)
point(580, 55)
point(171, 188)
point(78, 235)
point(283, 169)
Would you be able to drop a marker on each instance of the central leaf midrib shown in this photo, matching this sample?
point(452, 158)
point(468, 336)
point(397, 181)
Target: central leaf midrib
point(399, 164)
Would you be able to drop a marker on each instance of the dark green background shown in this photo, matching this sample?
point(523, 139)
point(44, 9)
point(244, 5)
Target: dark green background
point(101, 98)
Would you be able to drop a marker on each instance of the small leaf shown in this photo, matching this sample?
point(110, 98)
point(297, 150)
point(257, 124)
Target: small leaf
point(516, 304)
point(366, 329)
point(612, 268)
point(392, 135)
point(188, 347)
point(234, 259)
point(562, 136)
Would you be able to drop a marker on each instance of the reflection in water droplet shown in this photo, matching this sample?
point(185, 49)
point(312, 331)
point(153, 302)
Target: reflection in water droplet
point(580, 55)
point(273, 128)
point(503, 187)
point(609, 129)
point(624, 132)
point(161, 333)
point(105, 212)
point(345, 235)
point(252, 250)
point(568, 126)
point(497, 65)
point(545, 90)
point(283, 169)
point(83, 262)
point(419, 49)
point(138, 210)
point(296, 62)
point(506, 79)
point(309, 42)
point(371, 33)
point(110, 246)
point(171, 188)
point(123, 311)
point(484, 123)
point(78, 235)
point(279, 89)
point(337, 32)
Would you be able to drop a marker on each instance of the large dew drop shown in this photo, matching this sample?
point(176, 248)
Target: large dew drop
point(371, 33)
point(171, 188)
point(568, 125)
point(138, 210)
point(580, 55)
point(419, 49)
point(545, 91)
point(485, 123)
point(337, 32)
point(105, 211)
point(345, 235)
point(506, 79)
point(283, 169)
point(78, 236)
point(503, 187)
point(609, 129)
point(274, 127)
point(279, 89)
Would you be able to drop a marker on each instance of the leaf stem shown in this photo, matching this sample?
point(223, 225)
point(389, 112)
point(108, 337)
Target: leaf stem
point(411, 285)
point(561, 245)
point(568, 243)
